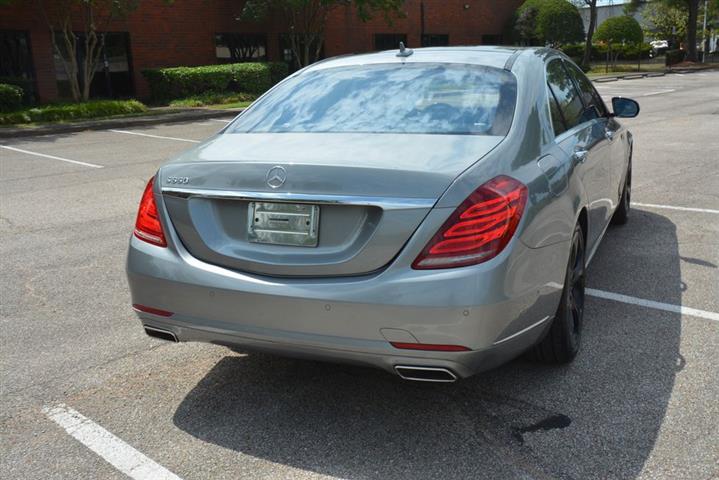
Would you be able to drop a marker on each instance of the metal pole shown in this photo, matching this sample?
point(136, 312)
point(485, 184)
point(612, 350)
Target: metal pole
point(704, 35)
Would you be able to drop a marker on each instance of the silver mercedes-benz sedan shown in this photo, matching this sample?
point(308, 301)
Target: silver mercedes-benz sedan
point(428, 212)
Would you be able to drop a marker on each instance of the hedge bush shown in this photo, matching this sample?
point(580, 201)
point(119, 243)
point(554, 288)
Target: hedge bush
point(624, 30)
point(179, 82)
point(599, 51)
point(10, 97)
point(72, 111)
point(213, 98)
point(538, 22)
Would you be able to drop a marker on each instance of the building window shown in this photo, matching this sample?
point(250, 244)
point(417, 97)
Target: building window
point(287, 54)
point(389, 41)
point(16, 62)
point(491, 39)
point(240, 47)
point(113, 72)
point(434, 40)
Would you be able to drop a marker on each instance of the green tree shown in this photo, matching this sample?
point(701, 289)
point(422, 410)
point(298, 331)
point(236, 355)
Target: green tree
point(525, 24)
point(619, 31)
point(307, 19)
point(548, 22)
point(691, 7)
point(622, 29)
point(80, 54)
point(665, 22)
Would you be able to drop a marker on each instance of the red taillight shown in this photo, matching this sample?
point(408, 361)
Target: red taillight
point(430, 347)
point(147, 225)
point(479, 228)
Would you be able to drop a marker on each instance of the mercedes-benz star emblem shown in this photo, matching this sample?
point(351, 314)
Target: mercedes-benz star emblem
point(276, 177)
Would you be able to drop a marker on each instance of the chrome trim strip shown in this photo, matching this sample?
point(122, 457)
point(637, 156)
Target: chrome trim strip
point(161, 330)
point(386, 203)
point(524, 330)
point(398, 369)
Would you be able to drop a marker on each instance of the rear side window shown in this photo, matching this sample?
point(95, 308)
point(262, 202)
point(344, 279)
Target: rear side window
point(566, 94)
point(589, 94)
point(557, 118)
point(437, 98)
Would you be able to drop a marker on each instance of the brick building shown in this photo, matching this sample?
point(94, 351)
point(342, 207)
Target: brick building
point(199, 32)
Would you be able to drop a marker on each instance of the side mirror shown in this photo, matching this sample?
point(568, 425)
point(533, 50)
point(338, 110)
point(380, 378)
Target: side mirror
point(624, 107)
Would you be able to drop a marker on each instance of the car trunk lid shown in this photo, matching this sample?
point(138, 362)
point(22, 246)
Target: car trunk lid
point(371, 192)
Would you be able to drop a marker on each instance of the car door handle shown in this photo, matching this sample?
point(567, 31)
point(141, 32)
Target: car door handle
point(609, 134)
point(580, 156)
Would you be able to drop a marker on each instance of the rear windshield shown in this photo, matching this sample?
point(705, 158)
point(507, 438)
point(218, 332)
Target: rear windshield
point(388, 98)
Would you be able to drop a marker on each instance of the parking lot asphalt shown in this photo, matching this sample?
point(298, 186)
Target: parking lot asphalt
point(640, 401)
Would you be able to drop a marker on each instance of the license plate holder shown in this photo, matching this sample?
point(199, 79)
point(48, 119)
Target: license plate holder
point(276, 223)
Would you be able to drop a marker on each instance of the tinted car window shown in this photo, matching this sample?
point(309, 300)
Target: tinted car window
point(589, 94)
point(557, 119)
point(388, 98)
point(566, 94)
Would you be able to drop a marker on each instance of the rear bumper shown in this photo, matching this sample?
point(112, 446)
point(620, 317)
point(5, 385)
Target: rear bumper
point(497, 309)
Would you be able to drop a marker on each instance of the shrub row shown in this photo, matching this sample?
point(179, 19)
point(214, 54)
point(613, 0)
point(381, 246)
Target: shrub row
point(10, 97)
point(213, 98)
point(599, 51)
point(178, 82)
point(72, 111)
point(27, 86)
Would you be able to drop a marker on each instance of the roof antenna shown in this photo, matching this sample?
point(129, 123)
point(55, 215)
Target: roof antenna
point(404, 51)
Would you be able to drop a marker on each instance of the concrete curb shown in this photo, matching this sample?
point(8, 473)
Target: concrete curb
point(170, 117)
point(638, 75)
point(628, 76)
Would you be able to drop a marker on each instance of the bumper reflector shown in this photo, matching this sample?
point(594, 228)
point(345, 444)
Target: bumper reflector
point(154, 311)
point(430, 347)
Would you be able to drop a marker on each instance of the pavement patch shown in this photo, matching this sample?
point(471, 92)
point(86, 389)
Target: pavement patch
point(549, 423)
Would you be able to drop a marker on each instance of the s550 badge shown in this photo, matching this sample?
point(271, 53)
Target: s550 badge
point(178, 180)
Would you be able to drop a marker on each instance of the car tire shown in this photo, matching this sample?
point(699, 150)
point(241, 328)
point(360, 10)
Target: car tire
point(621, 214)
point(561, 342)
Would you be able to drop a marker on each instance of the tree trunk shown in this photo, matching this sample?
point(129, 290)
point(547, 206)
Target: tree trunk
point(588, 44)
point(306, 50)
point(70, 63)
point(93, 49)
point(692, 30)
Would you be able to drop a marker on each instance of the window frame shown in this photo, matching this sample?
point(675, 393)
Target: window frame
point(552, 97)
point(601, 109)
point(398, 37)
point(263, 43)
point(426, 39)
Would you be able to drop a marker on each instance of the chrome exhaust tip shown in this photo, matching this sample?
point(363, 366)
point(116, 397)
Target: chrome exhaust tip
point(161, 334)
point(425, 374)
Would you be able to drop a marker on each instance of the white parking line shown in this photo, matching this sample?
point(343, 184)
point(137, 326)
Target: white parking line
point(155, 136)
point(52, 157)
point(659, 92)
point(219, 121)
point(671, 207)
point(111, 448)
point(667, 307)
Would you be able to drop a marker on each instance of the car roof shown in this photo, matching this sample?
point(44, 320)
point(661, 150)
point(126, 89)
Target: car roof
point(491, 56)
